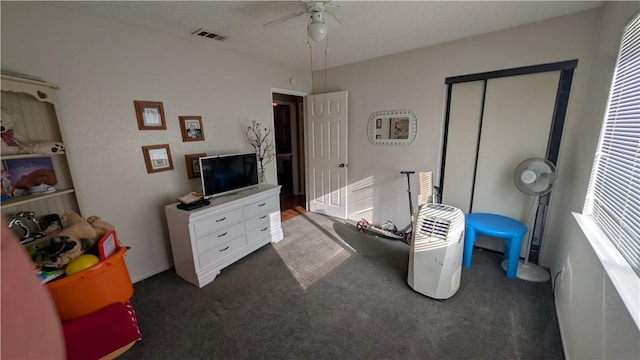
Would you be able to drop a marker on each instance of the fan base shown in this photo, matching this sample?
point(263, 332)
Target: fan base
point(529, 272)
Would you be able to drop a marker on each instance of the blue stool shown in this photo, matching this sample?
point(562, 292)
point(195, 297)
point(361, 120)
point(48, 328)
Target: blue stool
point(505, 228)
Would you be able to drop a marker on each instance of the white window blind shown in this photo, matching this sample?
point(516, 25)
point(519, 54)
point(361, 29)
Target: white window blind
point(613, 197)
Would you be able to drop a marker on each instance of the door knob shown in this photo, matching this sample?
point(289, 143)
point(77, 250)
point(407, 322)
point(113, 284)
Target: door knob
point(342, 165)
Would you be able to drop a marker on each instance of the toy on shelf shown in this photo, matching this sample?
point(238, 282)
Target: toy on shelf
point(5, 185)
point(25, 225)
point(13, 143)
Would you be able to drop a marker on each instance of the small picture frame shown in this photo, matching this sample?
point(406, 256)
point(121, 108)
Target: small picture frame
point(150, 115)
point(157, 158)
point(399, 128)
point(191, 127)
point(193, 164)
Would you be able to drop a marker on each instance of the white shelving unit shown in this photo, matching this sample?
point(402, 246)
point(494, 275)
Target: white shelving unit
point(34, 101)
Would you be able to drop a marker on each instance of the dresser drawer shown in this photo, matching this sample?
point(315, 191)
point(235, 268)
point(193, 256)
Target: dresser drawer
point(261, 207)
point(260, 230)
point(260, 220)
point(210, 224)
point(221, 251)
point(221, 236)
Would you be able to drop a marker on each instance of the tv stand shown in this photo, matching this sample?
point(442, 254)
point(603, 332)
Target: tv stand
point(210, 238)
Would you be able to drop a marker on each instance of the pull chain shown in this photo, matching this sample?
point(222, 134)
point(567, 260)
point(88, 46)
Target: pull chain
point(313, 86)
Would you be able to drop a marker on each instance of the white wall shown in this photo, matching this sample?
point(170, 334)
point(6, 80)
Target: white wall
point(593, 319)
point(102, 67)
point(415, 80)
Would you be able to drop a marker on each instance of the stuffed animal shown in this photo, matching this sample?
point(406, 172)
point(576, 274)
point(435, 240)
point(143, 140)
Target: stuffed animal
point(77, 227)
point(61, 246)
point(46, 148)
point(56, 251)
point(13, 143)
point(102, 227)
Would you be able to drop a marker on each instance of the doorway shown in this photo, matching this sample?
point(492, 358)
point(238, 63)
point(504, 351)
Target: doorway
point(288, 127)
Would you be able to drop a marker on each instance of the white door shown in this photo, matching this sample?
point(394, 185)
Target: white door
point(327, 153)
point(464, 128)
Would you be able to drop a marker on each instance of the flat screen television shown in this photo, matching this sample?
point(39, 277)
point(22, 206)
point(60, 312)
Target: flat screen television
point(225, 174)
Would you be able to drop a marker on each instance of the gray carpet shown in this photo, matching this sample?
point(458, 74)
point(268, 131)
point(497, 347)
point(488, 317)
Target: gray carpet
point(328, 292)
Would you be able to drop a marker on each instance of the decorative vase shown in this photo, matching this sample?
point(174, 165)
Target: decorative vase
point(261, 179)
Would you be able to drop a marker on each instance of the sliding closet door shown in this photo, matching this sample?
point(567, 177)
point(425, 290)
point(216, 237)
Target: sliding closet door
point(516, 125)
point(465, 112)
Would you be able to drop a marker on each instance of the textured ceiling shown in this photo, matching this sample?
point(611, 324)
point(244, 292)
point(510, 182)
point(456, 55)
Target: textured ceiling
point(369, 29)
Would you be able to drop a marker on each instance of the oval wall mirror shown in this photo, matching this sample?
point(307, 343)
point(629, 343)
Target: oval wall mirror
point(394, 127)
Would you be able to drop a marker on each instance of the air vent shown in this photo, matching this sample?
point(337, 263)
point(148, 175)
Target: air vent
point(208, 34)
point(434, 227)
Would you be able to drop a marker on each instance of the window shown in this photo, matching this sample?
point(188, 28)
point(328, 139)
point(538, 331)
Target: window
point(613, 197)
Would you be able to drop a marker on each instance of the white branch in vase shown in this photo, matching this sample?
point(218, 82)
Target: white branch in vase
point(259, 137)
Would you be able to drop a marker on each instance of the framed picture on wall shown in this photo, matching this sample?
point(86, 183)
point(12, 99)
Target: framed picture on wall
point(193, 164)
point(191, 127)
point(399, 128)
point(157, 158)
point(150, 115)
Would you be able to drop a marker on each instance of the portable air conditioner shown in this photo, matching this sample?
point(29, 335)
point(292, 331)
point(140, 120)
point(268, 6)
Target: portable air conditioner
point(435, 258)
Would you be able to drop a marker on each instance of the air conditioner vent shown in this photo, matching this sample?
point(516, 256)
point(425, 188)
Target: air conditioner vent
point(434, 227)
point(208, 34)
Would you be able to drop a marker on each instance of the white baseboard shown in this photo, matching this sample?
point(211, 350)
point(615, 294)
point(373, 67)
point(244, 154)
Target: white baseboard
point(151, 273)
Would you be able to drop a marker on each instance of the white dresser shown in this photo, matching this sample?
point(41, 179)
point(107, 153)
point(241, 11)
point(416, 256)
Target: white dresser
point(208, 239)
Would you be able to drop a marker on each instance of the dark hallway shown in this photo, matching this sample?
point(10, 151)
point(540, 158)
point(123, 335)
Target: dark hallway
point(289, 144)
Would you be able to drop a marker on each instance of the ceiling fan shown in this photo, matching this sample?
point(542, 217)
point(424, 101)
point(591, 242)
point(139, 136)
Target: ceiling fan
point(317, 28)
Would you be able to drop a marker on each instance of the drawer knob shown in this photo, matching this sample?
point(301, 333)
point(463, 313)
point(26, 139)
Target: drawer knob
point(225, 249)
point(265, 229)
point(221, 219)
point(263, 216)
point(223, 234)
point(263, 204)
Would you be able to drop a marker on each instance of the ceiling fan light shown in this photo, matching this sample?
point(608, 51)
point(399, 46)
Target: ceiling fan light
point(317, 31)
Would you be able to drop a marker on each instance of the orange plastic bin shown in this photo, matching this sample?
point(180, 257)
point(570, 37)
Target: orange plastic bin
point(92, 289)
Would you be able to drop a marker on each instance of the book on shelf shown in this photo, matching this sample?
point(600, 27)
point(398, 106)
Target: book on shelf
point(29, 176)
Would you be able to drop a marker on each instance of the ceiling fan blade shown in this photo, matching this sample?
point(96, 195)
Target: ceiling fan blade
point(284, 18)
point(333, 16)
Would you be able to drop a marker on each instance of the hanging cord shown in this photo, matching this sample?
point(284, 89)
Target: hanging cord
point(313, 86)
